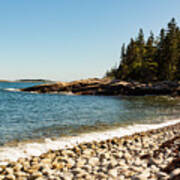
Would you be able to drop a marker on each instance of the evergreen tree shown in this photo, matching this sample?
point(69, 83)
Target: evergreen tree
point(138, 61)
point(123, 62)
point(171, 45)
point(161, 55)
point(177, 74)
point(150, 63)
point(151, 60)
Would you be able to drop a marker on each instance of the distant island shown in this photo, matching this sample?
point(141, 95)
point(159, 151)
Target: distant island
point(35, 80)
point(29, 80)
point(2, 80)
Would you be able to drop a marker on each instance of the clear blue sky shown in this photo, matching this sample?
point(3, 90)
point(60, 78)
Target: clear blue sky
point(73, 39)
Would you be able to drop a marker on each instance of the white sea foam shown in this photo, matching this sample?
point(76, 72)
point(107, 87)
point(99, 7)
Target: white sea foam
point(11, 89)
point(36, 149)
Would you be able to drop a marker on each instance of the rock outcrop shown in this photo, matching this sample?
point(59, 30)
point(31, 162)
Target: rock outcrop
point(108, 87)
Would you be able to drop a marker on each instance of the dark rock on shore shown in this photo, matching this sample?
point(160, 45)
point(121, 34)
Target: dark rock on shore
point(108, 87)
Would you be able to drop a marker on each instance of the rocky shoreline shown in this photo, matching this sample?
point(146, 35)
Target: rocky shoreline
point(147, 155)
point(108, 87)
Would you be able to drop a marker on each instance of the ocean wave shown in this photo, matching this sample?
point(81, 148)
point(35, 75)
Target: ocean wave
point(29, 149)
point(11, 89)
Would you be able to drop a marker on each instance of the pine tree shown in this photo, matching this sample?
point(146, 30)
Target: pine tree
point(150, 63)
point(177, 74)
point(171, 45)
point(127, 58)
point(139, 52)
point(151, 60)
point(161, 55)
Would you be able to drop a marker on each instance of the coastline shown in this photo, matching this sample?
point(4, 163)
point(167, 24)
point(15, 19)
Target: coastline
point(108, 87)
point(37, 147)
point(26, 152)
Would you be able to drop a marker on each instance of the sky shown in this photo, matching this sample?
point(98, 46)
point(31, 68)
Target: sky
point(73, 39)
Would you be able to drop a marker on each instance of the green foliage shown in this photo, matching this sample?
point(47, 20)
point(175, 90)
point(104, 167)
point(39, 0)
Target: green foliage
point(152, 60)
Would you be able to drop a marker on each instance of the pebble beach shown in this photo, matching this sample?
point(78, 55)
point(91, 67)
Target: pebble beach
point(153, 154)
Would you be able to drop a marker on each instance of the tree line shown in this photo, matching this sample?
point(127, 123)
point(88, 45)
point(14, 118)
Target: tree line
point(154, 59)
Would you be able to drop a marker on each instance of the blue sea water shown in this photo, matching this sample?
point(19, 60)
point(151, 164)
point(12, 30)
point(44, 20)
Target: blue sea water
point(25, 116)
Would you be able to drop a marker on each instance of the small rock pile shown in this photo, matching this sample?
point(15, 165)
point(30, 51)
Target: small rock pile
point(152, 155)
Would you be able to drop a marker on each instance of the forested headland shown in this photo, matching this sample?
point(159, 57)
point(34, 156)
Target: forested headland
point(151, 60)
point(148, 66)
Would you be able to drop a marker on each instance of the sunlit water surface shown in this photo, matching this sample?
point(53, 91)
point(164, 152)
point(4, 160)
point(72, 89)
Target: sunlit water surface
point(25, 116)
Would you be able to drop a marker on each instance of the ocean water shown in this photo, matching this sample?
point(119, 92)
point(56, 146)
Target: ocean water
point(28, 116)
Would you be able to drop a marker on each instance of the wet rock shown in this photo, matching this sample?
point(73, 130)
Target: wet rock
point(113, 173)
point(58, 165)
point(17, 167)
point(88, 152)
point(2, 177)
point(100, 176)
point(40, 178)
point(137, 169)
point(36, 175)
point(9, 171)
point(70, 163)
point(10, 177)
point(67, 175)
point(77, 171)
point(175, 172)
point(142, 176)
point(161, 175)
point(93, 161)
point(20, 175)
point(80, 162)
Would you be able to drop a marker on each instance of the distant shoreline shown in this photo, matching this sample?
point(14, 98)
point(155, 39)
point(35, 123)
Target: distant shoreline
point(108, 87)
point(28, 81)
